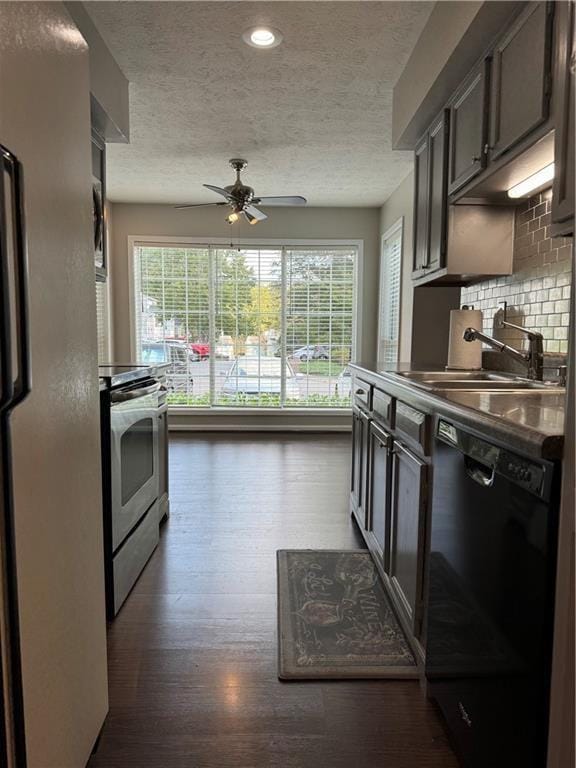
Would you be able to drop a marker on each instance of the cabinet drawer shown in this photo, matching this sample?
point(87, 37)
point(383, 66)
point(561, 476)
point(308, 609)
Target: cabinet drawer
point(133, 556)
point(362, 394)
point(413, 425)
point(383, 407)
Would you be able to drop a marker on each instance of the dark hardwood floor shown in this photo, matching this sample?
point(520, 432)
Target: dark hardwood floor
point(192, 655)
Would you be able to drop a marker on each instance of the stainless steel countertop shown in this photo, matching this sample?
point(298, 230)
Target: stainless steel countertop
point(530, 421)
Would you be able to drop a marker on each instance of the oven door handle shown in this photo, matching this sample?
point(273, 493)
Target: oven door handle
point(134, 394)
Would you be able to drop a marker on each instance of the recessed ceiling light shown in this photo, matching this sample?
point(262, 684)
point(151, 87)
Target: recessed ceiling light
point(262, 37)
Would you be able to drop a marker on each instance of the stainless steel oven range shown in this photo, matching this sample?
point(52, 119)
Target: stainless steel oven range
point(133, 422)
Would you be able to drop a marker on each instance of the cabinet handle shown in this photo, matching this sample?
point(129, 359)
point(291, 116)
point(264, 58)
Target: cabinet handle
point(476, 159)
point(360, 392)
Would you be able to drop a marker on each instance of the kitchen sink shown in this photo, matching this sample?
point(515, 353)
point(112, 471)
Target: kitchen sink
point(456, 376)
point(484, 381)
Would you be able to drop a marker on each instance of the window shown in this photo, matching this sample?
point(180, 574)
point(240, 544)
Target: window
point(256, 326)
point(389, 304)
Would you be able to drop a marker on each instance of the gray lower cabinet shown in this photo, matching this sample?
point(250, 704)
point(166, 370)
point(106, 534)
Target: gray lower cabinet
point(468, 127)
point(564, 119)
point(358, 484)
point(407, 533)
point(388, 500)
point(379, 478)
point(521, 78)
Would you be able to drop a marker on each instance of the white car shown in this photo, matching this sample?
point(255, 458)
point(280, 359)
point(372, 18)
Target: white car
point(260, 375)
point(311, 352)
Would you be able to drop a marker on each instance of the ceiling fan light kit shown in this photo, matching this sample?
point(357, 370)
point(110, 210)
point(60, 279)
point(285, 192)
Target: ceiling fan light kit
point(240, 197)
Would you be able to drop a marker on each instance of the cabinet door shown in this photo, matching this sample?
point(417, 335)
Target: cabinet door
point(468, 127)
point(357, 442)
point(438, 205)
point(360, 423)
point(379, 492)
point(407, 532)
point(421, 201)
point(565, 133)
point(364, 469)
point(521, 82)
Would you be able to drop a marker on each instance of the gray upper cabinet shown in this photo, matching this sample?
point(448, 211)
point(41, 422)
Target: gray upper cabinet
point(407, 538)
point(431, 199)
point(421, 204)
point(438, 186)
point(521, 78)
point(564, 110)
point(468, 127)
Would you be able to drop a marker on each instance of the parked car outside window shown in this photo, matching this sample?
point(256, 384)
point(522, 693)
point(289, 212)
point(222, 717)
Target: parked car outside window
point(260, 375)
point(311, 352)
point(202, 349)
point(177, 354)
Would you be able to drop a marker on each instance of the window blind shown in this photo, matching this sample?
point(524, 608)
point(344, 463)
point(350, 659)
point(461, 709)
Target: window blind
point(102, 322)
point(390, 282)
point(249, 326)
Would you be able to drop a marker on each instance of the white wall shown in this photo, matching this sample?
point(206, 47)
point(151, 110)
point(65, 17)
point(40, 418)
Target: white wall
point(283, 223)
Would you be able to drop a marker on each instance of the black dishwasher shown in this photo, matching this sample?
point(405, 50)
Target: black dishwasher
point(491, 598)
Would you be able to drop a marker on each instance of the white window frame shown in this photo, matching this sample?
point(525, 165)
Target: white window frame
point(391, 232)
point(135, 241)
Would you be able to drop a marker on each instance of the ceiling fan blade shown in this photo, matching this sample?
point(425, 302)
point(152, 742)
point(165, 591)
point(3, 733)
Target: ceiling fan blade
point(219, 191)
point(281, 200)
point(259, 215)
point(198, 205)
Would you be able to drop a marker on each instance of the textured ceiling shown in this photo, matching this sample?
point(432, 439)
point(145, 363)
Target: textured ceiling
point(312, 116)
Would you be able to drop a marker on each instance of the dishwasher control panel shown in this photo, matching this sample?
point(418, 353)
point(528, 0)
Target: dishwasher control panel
point(523, 472)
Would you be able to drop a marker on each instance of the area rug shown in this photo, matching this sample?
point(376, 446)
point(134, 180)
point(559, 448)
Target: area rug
point(335, 619)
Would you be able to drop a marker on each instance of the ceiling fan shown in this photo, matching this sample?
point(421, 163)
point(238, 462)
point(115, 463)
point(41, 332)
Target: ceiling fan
point(240, 198)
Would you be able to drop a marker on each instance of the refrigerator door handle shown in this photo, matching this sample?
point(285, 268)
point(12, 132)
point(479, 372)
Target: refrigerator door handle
point(22, 382)
point(14, 352)
point(6, 375)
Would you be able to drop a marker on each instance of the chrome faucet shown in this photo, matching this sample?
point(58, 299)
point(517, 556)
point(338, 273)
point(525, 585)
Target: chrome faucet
point(533, 359)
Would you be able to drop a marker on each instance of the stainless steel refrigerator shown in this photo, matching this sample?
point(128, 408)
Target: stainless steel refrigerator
point(53, 637)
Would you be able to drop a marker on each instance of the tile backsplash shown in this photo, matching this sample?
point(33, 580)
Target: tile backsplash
point(538, 291)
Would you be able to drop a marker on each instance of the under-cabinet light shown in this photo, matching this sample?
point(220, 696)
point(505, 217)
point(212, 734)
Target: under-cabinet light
point(537, 179)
